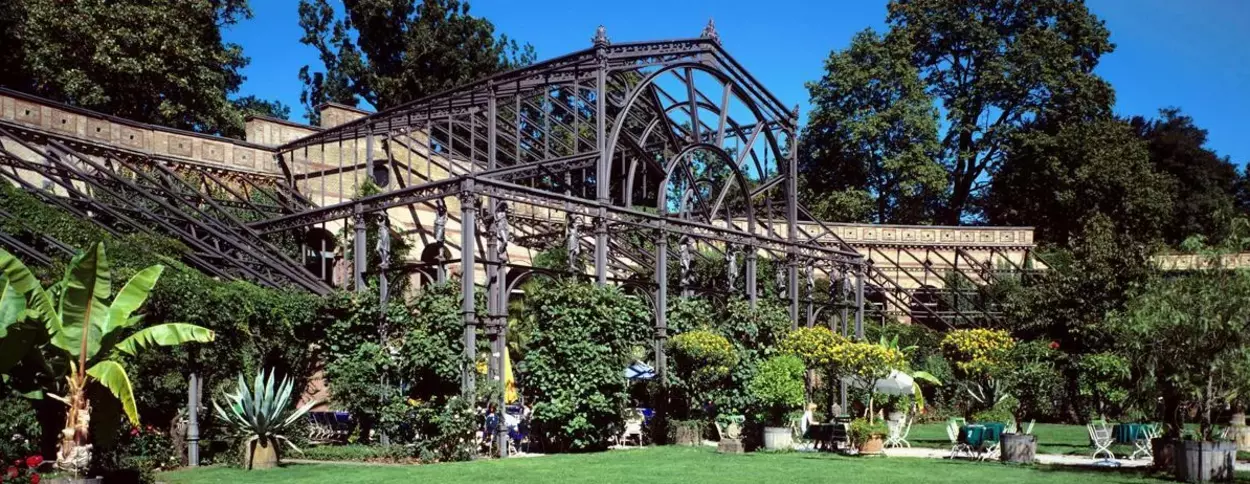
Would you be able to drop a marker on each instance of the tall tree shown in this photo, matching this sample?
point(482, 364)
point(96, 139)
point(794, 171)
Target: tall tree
point(996, 65)
point(387, 52)
point(156, 61)
point(1204, 192)
point(1055, 178)
point(869, 147)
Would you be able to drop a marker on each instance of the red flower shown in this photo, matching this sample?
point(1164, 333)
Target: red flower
point(34, 479)
point(1054, 345)
point(134, 431)
point(34, 461)
point(12, 471)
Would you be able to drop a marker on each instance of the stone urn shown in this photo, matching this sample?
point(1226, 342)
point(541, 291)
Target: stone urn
point(1204, 461)
point(1018, 448)
point(875, 445)
point(730, 438)
point(778, 438)
point(1240, 432)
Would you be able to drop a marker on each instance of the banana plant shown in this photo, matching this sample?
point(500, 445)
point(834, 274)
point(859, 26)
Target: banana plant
point(83, 334)
point(262, 412)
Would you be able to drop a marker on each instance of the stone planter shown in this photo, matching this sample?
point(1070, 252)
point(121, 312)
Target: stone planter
point(873, 446)
point(1204, 461)
point(729, 446)
point(778, 438)
point(1018, 448)
point(1240, 432)
point(261, 454)
point(687, 435)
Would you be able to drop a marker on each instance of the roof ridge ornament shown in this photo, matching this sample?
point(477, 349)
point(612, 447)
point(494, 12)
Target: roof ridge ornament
point(601, 37)
point(709, 31)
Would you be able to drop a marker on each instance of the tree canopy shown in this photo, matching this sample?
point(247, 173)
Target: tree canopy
point(155, 61)
point(388, 52)
point(871, 138)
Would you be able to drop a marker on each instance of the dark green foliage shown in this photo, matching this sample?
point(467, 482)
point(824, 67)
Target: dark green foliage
point(995, 66)
point(359, 453)
point(19, 426)
point(869, 147)
point(388, 52)
point(1035, 380)
point(575, 362)
point(434, 348)
point(1204, 184)
point(1056, 179)
point(138, 456)
point(161, 61)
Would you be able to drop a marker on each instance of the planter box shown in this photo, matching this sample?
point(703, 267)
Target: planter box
point(729, 446)
point(778, 438)
point(1018, 448)
point(1205, 461)
point(685, 435)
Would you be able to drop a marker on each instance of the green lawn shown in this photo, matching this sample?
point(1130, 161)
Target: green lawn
point(668, 464)
point(1051, 439)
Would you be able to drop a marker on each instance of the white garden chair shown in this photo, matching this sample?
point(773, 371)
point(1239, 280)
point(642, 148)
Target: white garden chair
point(1148, 433)
point(899, 432)
point(1101, 436)
point(952, 431)
point(633, 429)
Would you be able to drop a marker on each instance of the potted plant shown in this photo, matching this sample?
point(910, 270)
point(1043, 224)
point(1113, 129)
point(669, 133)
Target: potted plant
point(1191, 333)
point(868, 436)
point(778, 386)
point(701, 361)
point(259, 414)
point(79, 332)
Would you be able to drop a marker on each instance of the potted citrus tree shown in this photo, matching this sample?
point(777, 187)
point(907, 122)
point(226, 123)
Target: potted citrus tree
point(702, 361)
point(862, 364)
point(1191, 334)
point(868, 436)
point(778, 387)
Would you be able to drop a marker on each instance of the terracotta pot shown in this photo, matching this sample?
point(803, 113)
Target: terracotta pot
point(261, 454)
point(873, 446)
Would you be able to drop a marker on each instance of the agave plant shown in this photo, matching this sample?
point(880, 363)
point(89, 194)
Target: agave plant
point(81, 336)
point(261, 413)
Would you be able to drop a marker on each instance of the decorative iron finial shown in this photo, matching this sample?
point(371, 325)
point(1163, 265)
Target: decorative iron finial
point(601, 37)
point(709, 31)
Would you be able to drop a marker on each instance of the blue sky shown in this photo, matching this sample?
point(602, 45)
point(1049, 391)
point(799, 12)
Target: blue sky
point(1191, 54)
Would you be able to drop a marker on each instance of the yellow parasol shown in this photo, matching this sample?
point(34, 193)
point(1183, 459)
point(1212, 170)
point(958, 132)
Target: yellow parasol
point(509, 383)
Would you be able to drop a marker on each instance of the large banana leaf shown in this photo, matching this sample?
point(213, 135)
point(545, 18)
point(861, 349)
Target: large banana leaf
point(84, 302)
point(38, 301)
point(12, 305)
point(111, 374)
point(169, 334)
point(129, 298)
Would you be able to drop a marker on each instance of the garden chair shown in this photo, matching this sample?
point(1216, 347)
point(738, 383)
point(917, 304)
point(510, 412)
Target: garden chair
point(801, 434)
point(952, 431)
point(633, 429)
point(1148, 433)
point(899, 432)
point(1028, 429)
point(1101, 437)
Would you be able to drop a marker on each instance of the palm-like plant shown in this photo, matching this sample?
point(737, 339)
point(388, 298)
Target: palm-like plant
point(261, 413)
point(82, 335)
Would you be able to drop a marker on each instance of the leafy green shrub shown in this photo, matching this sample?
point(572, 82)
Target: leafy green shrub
point(778, 386)
point(1003, 412)
point(689, 313)
point(813, 345)
point(1104, 382)
point(19, 427)
point(575, 361)
point(136, 457)
point(862, 430)
point(359, 453)
point(703, 356)
point(1034, 379)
